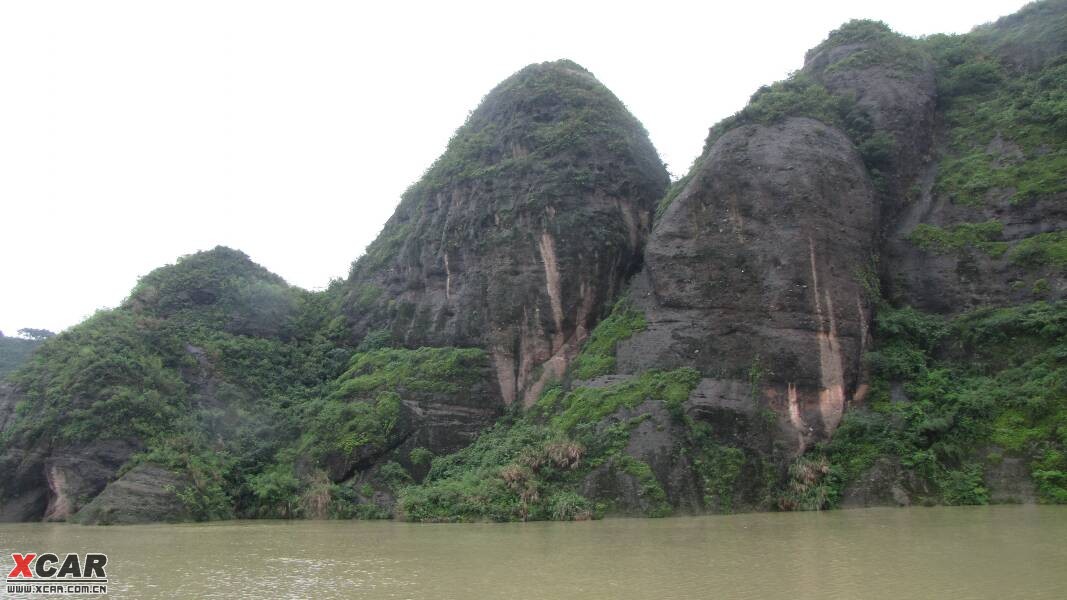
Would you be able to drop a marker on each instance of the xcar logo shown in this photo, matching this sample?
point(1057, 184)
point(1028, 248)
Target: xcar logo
point(47, 574)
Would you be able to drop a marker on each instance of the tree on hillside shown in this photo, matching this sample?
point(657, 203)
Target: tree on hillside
point(35, 334)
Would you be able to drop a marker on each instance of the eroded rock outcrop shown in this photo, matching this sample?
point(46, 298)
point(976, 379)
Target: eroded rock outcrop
point(145, 494)
point(25, 493)
point(520, 234)
point(751, 275)
point(79, 472)
point(97, 394)
point(892, 82)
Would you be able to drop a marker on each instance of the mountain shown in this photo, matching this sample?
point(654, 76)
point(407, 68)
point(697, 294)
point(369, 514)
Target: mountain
point(189, 371)
point(854, 297)
point(520, 234)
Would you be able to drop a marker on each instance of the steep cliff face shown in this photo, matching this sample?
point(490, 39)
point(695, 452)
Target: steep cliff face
point(890, 82)
point(973, 276)
point(751, 274)
point(949, 206)
point(762, 271)
point(809, 290)
point(520, 234)
point(983, 223)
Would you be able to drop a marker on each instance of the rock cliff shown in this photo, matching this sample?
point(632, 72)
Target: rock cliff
point(520, 235)
point(855, 297)
point(750, 274)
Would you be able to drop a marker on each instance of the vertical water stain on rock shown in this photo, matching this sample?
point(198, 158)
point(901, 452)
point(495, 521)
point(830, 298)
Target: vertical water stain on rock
point(518, 237)
point(743, 269)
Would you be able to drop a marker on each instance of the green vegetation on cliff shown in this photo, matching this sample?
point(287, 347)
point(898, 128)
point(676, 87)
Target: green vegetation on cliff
point(532, 467)
point(1041, 249)
point(514, 471)
point(588, 405)
point(359, 411)
point(951, 399)
point(598, 354)
point(1007, 127)
point(960, 237)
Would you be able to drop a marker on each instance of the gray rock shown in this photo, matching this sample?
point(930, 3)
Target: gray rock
point(144, 494)
point(751, 276)
point(522, 254)
point(886, 483)
point(77, 473)
point(1008, 481)
point(23, 489)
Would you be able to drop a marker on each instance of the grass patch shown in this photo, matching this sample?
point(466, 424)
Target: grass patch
point(586, 405)
point(959, 238)
point(598, 355)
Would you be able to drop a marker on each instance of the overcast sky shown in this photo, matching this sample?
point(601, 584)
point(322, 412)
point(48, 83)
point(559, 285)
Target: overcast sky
point(132, 133)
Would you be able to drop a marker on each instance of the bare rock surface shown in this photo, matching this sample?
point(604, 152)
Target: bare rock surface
point(145, 494)
point(750, 276)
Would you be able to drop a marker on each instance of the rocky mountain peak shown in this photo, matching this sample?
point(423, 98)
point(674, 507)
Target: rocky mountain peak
point(521, 233)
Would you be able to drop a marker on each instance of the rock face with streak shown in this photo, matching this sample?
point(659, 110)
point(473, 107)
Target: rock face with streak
point(750, 275)
point(520, 234)
point(464, 370)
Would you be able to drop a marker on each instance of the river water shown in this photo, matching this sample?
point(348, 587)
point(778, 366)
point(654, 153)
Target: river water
point(960, 553)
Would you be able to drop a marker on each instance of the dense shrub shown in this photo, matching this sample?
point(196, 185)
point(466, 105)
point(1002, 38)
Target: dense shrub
point(988, 382)
point(989, 108)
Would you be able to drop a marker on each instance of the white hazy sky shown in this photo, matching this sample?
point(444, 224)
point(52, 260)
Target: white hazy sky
point(135, 132)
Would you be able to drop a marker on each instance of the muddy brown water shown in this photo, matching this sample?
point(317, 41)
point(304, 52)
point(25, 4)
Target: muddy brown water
point(960, 553)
